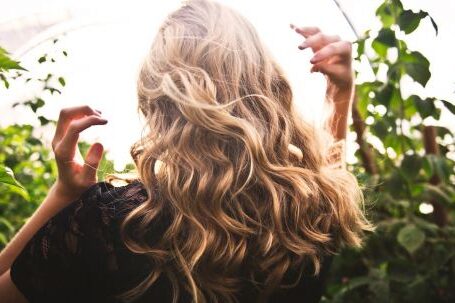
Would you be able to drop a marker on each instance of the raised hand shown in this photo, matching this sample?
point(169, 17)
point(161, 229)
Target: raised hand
point(332, 57)
point(74, 177)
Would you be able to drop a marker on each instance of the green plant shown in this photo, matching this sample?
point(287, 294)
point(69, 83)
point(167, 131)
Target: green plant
point(405, 165)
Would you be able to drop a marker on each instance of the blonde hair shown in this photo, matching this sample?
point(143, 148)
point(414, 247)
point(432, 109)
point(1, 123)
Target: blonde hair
point(239, 202)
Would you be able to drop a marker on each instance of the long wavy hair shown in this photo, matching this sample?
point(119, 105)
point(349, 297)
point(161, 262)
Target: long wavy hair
point(241, 180)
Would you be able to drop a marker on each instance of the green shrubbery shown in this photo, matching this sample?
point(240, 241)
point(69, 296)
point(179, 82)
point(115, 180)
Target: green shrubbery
point(410, 258)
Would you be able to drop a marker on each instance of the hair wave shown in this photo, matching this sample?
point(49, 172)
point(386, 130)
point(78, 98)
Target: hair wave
point(238, 201)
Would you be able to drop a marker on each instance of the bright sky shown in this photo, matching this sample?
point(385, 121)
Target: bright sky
point(108, 40)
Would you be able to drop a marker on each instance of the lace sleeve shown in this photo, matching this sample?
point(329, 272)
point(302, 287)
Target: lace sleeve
point(337, 154)
point(57, 263)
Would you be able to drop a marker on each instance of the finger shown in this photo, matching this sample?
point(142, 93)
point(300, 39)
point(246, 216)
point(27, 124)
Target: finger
point(306, 31)
point(340, 48)
point(69, 113)
point(327, 69)
point(92, 161)
point(67, 146)
point(318, 41)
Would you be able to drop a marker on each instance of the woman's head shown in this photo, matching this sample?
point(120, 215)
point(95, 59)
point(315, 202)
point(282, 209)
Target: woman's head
point(208, 55)
point(238, 201)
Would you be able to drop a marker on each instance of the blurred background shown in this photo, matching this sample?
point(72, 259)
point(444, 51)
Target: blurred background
point(401, 146)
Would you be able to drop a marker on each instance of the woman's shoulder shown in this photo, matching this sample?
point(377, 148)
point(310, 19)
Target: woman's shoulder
point(113, 199)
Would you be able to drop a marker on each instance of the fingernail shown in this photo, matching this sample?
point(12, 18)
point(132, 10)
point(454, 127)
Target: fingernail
point(303, 45)
point(314, 59)
point(98, 148)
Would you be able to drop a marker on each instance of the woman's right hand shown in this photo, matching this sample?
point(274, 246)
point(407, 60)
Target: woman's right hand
point(333, 58)
point(74, 177)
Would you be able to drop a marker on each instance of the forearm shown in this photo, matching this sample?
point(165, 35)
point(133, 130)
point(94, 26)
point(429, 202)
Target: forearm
point(340, 103)
point(51, 205)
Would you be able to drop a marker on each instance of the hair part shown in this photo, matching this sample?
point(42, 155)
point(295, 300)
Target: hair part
point(217, 165)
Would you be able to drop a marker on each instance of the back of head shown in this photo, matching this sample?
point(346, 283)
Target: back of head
point(238, 202)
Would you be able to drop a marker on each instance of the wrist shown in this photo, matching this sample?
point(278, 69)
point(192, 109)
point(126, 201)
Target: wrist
point(340, 92)
point(63, 193)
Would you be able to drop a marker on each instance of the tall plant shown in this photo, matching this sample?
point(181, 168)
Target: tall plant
point(405, 163)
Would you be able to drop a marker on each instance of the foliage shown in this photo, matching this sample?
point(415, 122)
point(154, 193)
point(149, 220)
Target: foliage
point(27, 165)
point(411, 256)
point(32, 163)
point(6, 64)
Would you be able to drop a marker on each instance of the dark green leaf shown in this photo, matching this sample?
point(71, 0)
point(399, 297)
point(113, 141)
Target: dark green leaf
point(5, 81)
point(384, 95)
point(409, 21)
point(435, 26)
point(43, 120)
point(380, 128)
point(449, 106)
point(411, 238)
point(426, 108)
point(411, 165)
point(42, 59)
point(416, 66)
point(62, 81)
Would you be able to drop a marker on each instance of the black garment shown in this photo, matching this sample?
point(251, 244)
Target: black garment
point(79, 256)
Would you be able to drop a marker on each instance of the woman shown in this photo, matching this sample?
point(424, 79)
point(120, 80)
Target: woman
point(237, 198)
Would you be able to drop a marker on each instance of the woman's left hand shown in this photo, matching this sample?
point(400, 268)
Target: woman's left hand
point(332, 57)
point(73, 177)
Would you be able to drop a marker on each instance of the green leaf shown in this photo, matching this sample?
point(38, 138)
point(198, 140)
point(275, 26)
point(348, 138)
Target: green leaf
point(395, 185)
point(6, 63)
point(360, 47)
point(384, 13)
point(426, 108)
point(5, 81)
point(43, 120)
point(411, 238)
point(7, 176)
point(384, 95)
point(435, 192)
point(42, 59)
point(449, 106)
point(435, 26)
point(7, 224)
point(35, 104)
point(409, 21)
point(416, 66)
point(428, 165)
point(380, 128)
point(411, 165)
point(387, 12)
point(62, 81)
point(385, 39)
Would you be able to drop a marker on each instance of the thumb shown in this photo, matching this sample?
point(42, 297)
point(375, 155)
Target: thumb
point(92, 161)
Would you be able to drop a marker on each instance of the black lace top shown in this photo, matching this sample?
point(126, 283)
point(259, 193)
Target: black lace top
point(79, 256)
